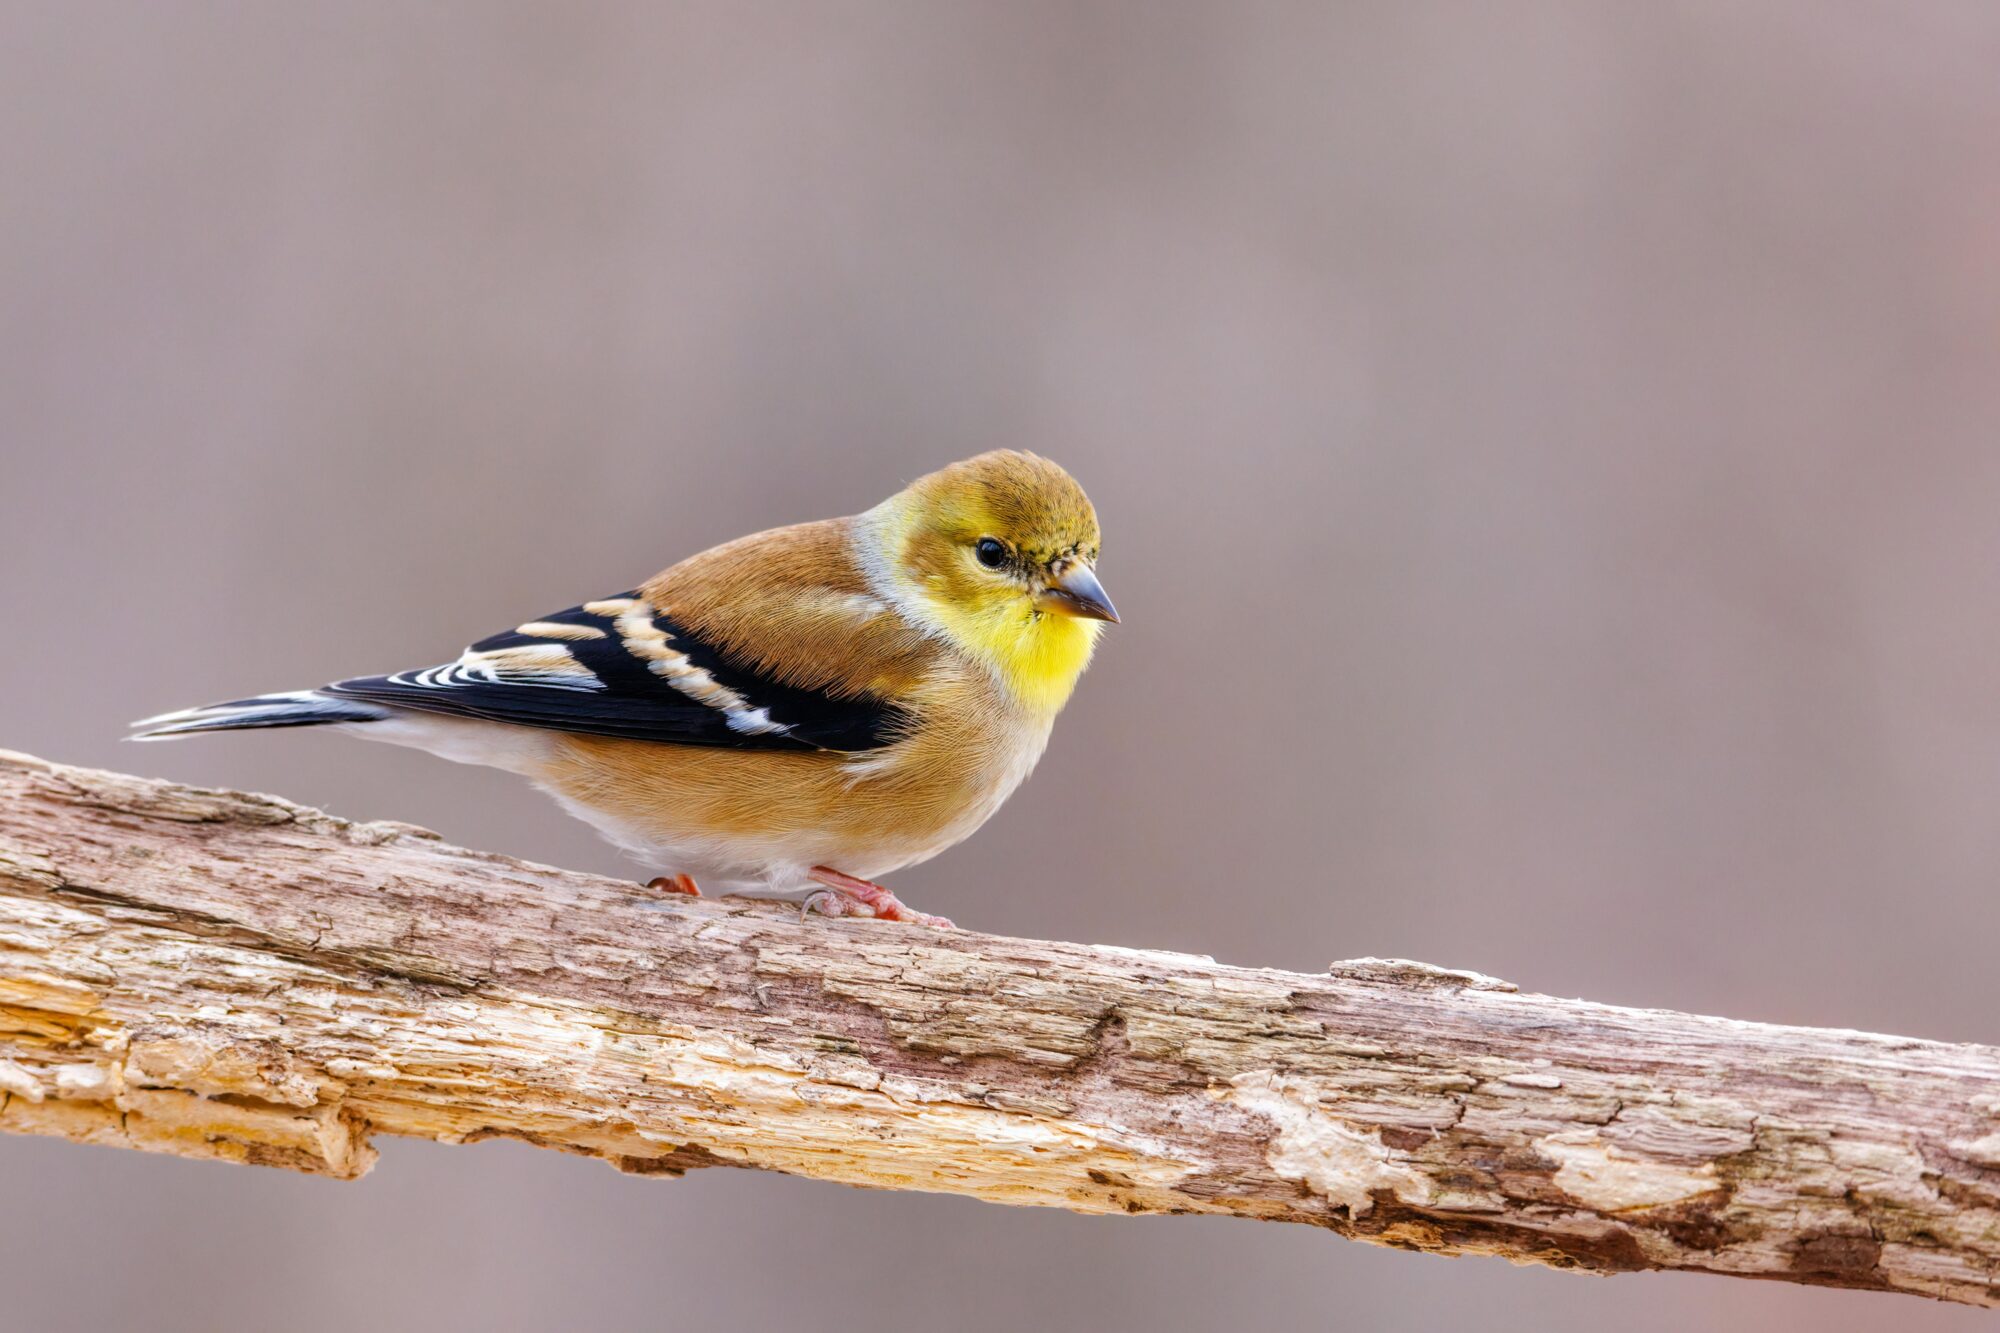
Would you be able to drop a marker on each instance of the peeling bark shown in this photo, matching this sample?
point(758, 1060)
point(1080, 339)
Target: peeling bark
point(222, 975)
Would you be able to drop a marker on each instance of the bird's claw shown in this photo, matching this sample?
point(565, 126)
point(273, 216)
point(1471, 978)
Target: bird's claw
point(825, 902)
point(844, 895)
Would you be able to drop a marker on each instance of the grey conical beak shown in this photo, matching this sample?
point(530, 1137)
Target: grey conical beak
point(1076, 592)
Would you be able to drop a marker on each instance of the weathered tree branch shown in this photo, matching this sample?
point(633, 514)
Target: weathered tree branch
point(230, 976)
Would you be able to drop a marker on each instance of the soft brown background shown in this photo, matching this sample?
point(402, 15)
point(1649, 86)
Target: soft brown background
point(1549, 456)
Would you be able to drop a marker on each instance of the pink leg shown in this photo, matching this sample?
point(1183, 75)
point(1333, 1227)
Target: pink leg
point(677, 884)
point(844, 895)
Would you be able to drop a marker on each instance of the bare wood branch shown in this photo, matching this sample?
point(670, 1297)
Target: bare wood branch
point(230, 976)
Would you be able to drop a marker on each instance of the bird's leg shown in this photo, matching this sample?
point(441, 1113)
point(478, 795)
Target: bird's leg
point(676, 884)
point(844, 895)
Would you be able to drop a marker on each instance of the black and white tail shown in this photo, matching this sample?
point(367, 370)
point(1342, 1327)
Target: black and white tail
point(301, 708)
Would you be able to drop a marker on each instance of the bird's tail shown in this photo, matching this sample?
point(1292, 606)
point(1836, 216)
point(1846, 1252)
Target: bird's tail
point(301, 708)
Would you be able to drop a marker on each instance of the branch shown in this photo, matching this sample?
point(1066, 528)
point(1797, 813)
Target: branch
point(229, 976)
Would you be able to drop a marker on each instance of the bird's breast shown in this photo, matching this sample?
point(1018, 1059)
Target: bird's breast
point(967, 749)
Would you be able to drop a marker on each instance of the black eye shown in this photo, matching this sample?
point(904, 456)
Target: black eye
point(990, 552)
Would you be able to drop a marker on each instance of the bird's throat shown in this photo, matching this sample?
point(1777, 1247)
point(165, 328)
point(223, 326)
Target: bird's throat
point(1038, 654)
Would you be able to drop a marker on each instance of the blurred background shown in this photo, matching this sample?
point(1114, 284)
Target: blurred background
point(1549, 456)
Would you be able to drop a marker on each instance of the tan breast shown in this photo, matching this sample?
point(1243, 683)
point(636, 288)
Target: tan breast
point(865, 814)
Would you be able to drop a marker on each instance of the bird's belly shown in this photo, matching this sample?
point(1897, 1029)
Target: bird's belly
point(742, 818)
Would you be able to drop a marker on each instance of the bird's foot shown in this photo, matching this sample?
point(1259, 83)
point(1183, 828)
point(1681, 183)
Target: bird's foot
point(844, 895)
point(676, 884)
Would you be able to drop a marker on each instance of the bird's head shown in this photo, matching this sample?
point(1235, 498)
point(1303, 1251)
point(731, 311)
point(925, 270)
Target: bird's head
point(998, 554)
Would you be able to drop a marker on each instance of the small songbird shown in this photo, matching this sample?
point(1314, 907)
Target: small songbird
point(807, 708)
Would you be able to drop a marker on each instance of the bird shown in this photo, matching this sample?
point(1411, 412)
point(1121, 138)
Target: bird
point(800, 711)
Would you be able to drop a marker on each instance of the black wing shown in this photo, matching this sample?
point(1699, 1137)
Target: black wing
point(618, 667)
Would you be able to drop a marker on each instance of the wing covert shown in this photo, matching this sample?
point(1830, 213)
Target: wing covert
point(619, 667)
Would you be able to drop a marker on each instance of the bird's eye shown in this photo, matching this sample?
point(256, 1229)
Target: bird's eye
point(991, 552)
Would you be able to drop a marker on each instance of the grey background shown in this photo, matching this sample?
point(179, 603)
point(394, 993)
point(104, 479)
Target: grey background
point(1547, 455)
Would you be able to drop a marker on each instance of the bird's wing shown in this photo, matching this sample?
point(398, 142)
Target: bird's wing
point(623, 667)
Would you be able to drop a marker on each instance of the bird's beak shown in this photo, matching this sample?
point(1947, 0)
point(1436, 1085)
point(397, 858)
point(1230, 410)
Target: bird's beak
point(1076, 592)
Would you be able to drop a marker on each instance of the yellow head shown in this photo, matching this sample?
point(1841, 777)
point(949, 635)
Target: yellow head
point(997, 554)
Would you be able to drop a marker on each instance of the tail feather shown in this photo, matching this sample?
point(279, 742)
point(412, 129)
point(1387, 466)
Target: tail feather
point(301, 708)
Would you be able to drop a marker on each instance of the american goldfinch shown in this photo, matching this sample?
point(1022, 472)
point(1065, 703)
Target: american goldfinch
point(807, 708)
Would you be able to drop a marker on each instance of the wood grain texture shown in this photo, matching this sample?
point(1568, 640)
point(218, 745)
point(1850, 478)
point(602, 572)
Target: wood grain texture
point(231, 976)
